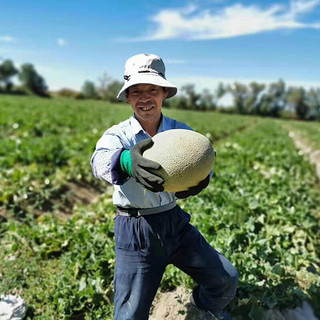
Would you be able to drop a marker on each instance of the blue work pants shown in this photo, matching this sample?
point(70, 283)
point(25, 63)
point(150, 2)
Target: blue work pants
point(146, 245)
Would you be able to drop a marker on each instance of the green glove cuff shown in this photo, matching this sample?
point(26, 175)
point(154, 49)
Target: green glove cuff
point(126, 162)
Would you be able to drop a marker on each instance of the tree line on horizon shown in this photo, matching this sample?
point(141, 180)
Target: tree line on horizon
point(273, 100)
point(31, 81)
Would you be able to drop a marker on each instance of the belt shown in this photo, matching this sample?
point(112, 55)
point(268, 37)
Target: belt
point(137, 212)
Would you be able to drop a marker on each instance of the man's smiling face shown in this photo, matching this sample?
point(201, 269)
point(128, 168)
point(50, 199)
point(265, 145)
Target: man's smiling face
point(146, 101)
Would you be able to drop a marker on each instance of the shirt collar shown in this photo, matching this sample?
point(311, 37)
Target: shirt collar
point(136, 126)
point(163, 124)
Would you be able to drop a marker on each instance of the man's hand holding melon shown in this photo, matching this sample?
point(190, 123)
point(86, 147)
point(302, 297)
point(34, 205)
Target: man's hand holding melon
point(175, 160)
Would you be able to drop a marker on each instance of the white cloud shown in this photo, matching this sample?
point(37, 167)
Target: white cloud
point(194, 23)
point(62, 42)
point(301, 6)
point(7, 39)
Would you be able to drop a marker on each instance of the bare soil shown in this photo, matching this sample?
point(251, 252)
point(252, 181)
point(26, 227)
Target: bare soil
point(306, 149)
point(175, 305)
point(74, 193)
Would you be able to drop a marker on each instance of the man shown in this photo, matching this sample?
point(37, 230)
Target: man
point(151, 230)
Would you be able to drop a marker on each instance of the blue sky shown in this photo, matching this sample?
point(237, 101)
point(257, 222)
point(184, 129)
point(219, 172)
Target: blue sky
point(202, 41)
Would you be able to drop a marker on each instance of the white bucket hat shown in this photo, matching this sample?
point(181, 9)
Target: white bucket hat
point(145, 69)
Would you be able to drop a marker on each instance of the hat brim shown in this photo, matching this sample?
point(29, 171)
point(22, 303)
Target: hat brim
point(148, 78)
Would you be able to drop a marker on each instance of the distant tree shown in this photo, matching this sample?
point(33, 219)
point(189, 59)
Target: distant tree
point(253, 99)
point(221, 90)
point(298, 99)
point(113, 90)
point(31, 80)
point(277, 92)
point(177, 102)
point(207, 101)
point(7, 71)
point(313, 97)
point(191, 96)
point(264, 105)
point(68, 93)
point(89, 90)
point(240, 93)
point(103, 82)
point(108, 88)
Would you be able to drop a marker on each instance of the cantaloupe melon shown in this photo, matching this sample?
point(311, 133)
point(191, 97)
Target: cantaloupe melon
point(186, 158)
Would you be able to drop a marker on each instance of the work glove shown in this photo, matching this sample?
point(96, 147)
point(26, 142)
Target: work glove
point(192, 191)
point(140, 168)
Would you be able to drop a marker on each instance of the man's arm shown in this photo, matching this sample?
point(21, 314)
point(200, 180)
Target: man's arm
point(105, 161)
point(192, 191)
point(113, 163)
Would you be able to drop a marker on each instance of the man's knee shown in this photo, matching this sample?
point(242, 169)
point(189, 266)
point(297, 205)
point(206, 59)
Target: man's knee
point(231, 274)
point(224, 279)
point(233, 280)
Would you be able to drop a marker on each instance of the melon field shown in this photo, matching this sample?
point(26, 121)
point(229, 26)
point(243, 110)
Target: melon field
point(261, 209)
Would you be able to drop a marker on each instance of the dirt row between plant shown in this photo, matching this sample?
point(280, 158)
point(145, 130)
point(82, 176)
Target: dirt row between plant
point(304, 147)
point(175, 305)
